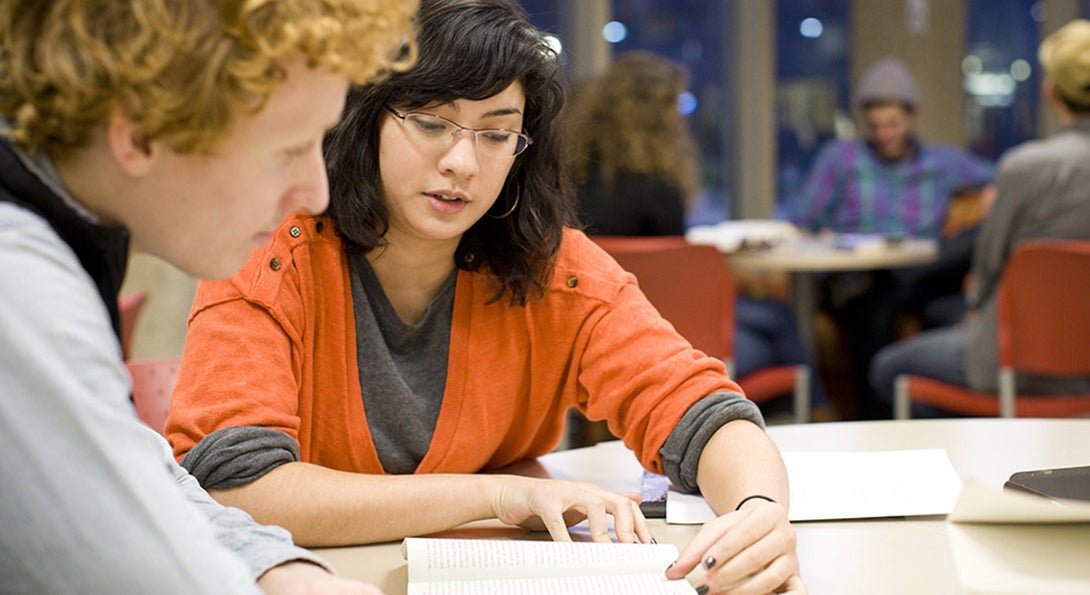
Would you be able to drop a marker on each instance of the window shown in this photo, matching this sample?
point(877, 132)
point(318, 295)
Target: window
point(813, 85)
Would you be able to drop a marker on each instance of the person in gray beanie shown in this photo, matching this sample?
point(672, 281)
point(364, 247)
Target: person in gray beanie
point(889, 182)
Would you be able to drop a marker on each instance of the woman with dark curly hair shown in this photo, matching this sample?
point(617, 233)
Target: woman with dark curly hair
point(640, 170)
point(440, 320)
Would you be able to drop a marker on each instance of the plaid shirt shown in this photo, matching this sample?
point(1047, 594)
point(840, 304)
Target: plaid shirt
point(851, 189)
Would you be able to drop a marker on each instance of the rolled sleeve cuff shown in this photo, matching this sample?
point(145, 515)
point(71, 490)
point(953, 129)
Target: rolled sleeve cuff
point(682, 450)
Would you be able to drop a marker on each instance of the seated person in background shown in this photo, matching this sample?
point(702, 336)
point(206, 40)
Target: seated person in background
point(637, 168)
point(889, 182)
point(189, 129)
point(1041, 193)
point(635, 164)
point(359, 374)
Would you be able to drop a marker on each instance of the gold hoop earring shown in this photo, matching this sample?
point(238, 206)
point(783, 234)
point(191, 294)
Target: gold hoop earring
point(511, 210)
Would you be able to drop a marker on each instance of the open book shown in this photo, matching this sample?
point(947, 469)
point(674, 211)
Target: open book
point(485, 566)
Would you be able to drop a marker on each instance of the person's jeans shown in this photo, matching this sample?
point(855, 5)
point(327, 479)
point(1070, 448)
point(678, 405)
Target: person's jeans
point(765, 334)
point(938, 354)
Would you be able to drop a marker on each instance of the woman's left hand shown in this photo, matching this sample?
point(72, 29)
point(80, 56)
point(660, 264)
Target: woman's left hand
point(747, 551)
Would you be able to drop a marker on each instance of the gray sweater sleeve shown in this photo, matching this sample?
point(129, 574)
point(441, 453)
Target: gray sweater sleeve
point(682, 450)
point(92, 501)
point(236, 456)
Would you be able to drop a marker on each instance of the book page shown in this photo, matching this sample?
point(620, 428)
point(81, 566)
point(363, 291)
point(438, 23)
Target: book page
point(467, 559)
point(617, 584)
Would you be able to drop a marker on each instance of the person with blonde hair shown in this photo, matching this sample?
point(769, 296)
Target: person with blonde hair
point(632, 157)
point(186, 129)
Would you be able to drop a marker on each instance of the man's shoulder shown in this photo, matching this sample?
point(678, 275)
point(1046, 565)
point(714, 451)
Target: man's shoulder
point(1032, 155)
point(25, 235)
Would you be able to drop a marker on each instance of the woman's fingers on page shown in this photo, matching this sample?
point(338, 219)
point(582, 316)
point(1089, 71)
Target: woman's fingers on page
point(781, 576)
point(698, 549)
point(763, 567)
point(625, 518)
point(757, 555)
point(598, 521)
point(793, 586)
point(725, 537)
point(557, 529)
point(640, 532)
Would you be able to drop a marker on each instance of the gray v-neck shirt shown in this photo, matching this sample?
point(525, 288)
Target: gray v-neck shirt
point(403, 367)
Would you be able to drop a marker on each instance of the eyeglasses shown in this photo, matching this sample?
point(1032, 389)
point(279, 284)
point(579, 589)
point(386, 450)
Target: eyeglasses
point(440, 134)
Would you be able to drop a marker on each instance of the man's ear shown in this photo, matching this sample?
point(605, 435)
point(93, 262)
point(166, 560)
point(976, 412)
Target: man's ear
point(129, 146)
point(1048, 90)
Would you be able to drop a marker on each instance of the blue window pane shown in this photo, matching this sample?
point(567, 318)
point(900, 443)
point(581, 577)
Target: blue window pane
point(813, 69)
point(544, 14)
point(690, 32)
point(1000, 74)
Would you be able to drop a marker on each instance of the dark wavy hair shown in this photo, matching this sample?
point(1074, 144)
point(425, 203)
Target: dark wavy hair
point(467, 49)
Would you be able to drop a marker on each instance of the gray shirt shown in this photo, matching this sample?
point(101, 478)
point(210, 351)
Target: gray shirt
point(93, 501)
point(1043, 192)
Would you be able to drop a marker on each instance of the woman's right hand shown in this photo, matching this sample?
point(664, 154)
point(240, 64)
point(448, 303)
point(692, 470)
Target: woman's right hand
point(554, 505)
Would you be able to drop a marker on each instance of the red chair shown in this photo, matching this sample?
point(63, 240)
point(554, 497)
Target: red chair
point(152, 384)
point(130, 307)
point(1043, 328)
point(691, 286)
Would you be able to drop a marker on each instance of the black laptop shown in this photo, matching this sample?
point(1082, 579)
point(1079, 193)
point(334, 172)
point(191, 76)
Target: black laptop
point(1070, 483)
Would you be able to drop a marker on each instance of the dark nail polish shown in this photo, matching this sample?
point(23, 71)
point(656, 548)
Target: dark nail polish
point(653, 540)
point(671, 565)
point(709, 562)
point(702, 590)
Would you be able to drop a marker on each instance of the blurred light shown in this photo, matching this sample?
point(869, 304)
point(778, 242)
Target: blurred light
point(971, 65)
point(692, 50)
point(686, 103)
point(554, 43)
point(1037, 12)
point(811, 28)
point(1021, 70)
point(991, 89)
point(614, 31)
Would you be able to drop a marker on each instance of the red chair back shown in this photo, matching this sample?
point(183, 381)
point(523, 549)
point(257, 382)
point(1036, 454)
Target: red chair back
point(1043, 326)
point(1044, 308)
point(152, 384)
point(689, 284)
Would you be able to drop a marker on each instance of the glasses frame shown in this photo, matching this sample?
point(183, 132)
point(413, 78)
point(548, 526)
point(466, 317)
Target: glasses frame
point(459, 130)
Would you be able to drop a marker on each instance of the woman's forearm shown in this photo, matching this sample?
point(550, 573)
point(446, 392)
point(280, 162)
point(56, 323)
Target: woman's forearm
point(323, 507)
point(740, 461)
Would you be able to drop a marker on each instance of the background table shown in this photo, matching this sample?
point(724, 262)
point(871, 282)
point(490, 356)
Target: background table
point(804, 257)
point(889, 556)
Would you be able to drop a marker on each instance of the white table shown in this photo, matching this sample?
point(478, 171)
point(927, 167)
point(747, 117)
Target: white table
point(889, 556)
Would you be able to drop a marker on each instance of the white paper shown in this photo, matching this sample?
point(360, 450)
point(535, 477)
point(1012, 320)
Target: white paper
point(852, 485)
point(978, 504)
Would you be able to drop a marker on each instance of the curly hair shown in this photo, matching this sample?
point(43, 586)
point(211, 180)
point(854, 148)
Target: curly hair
point(626, 120)
point(468, 49)
point(181, 70)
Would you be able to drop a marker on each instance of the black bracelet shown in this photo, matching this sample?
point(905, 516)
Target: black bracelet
point(754, 497)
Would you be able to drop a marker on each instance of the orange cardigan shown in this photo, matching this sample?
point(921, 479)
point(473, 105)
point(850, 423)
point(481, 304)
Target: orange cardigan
point(274, 346)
